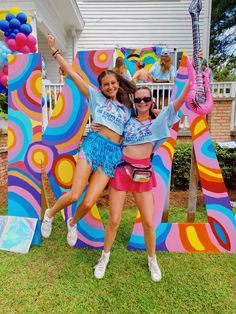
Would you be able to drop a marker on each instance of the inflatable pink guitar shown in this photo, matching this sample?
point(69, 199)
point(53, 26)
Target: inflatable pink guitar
point(200, 97)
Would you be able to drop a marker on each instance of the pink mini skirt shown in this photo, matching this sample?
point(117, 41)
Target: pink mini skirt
point(123, 182)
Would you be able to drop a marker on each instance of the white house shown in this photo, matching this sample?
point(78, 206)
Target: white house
point(95, 24)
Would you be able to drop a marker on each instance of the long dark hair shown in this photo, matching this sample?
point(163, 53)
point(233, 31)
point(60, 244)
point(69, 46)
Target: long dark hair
point(152, 115)
point(126, 88)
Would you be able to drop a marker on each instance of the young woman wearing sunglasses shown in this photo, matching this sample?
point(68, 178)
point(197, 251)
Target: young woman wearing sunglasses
point(143, 133)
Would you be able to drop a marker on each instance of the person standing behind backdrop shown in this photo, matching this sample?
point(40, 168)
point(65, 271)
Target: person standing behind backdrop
point(142, 75)
point(120, 68)
point(163, 72)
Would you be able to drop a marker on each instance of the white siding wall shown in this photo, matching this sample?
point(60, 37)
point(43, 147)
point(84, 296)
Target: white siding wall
point(51, 65)
point(139, 23)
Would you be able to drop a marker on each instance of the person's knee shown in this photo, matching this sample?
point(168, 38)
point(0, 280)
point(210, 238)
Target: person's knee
point(148, 226)
point(87, 204)
point(114, 222)
point(74, 197)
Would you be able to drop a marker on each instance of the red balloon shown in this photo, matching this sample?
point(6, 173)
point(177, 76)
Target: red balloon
point(21, 40)
point(6, 39)
point(31, 40)
point(4, 80)
point(12, 44)
point(5, 69)
point(25, 49)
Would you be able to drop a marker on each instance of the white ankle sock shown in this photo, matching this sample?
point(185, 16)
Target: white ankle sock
point(46, 215)
point(107, 255)
point(151, 258)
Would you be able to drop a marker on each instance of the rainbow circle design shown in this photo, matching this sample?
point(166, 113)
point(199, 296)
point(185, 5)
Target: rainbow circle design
point(19, 135)
point(64, 178)
point(39, 155)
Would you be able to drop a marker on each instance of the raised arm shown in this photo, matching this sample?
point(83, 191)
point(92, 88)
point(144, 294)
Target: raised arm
point(79, 82)
point(181, 99)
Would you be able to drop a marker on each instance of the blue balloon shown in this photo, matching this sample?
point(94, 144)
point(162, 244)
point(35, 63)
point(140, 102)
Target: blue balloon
point(12, 35)
point(4, 25)
point(25, 29)
point(30, 27)
point(21, 17)
point(14, 23)
point(16, 31)
point(3, 89)
point(6, 34)
point(10, 16)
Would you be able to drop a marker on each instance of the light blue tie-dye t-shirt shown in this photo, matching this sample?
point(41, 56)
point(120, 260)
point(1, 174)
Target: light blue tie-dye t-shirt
point(155, 131)
point(110, 113)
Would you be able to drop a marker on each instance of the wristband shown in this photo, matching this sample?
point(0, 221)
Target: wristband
point(55, 52)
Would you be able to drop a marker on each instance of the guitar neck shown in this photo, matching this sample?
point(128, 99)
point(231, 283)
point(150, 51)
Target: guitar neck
point(196, 41)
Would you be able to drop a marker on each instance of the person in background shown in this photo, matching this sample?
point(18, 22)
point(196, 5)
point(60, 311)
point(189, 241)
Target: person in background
point(120, 68)
point(62, 75)
point(141, 75)
point(163, 72)
point(206, 70)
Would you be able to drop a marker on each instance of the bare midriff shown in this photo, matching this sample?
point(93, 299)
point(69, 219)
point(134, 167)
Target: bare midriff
point(108, 133)
point(139, 151)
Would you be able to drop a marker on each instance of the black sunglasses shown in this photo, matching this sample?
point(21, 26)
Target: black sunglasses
point(145, 99)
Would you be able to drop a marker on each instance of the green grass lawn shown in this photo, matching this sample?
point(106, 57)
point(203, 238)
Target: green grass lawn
point(54, 278)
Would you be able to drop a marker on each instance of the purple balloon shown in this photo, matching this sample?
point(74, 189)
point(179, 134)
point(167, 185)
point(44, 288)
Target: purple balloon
point(14, 23)
point(9, 16)
point(21, 17)
point(4, 25)
point(25, 29)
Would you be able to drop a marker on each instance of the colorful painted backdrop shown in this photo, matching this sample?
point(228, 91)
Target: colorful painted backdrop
point(131, 56)
point(24, 137)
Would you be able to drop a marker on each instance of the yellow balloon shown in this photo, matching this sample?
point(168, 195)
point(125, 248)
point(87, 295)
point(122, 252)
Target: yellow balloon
point(28, 19)
point(14, 10)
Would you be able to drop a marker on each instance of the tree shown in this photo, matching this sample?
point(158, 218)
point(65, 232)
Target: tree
point(222, 39)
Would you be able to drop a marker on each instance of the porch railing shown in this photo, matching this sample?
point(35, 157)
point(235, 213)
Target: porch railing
point(162, 90)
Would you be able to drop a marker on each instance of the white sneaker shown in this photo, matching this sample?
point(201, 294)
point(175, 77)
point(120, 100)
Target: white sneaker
point(154, 269)
point(100, 268)
point(46, 226)
point(72, 233)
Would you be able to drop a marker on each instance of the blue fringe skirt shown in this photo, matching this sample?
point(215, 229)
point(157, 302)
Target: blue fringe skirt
point(102, 152)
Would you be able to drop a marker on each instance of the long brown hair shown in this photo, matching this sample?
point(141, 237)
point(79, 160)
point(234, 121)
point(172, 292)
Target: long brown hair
point(165, 63)
point(120, 67)
point(126, 88)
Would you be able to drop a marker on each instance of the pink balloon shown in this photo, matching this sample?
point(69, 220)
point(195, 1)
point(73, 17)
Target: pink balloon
point(31, 40)
point(21, 40)
point(5, 69)
point(12, 44)
point(25, 49)
point(4, 80)
point(33, 49)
